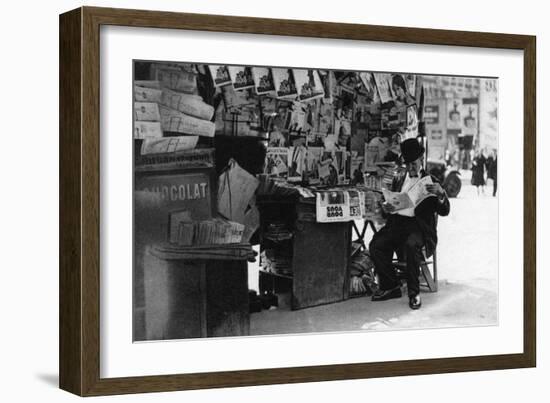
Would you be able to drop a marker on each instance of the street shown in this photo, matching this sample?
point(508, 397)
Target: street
point(467, 261)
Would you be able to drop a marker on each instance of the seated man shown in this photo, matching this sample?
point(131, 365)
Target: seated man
point(407, 229)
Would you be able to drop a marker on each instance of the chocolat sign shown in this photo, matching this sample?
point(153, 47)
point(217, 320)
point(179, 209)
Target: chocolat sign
point(175, 192)
point(179, 190)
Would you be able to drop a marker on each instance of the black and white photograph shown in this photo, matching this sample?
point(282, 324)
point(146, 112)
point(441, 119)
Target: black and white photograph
point(271, 202)
point(244, 228)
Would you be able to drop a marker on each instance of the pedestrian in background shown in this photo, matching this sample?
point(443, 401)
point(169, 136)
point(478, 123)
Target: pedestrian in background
point(478, 171)
point(491, 165)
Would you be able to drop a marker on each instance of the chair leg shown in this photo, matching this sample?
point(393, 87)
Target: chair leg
point(432, 285)
point(434, 259)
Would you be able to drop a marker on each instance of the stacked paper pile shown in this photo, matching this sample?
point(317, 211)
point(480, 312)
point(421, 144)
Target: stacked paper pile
point(216, 231)
point(277, 231)
point(276, 261)
point(280, 187)
point(147, 95)
point(181, 109)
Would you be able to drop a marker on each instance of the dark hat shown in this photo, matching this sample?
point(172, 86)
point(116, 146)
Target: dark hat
point(411, 150)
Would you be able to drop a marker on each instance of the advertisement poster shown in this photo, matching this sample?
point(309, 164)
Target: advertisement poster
point(437, 143)
point(431, 114)
point(488, 115)
point(470, 116)
point(454, 115)
point(436, 133)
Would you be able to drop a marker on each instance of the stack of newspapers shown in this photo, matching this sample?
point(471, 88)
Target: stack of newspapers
point(169, 103)
point(147, 95)
point(181, 109)
point(215, 231)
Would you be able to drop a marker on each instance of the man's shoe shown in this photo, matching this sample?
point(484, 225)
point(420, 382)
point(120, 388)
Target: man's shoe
point(382, 295)
point(415, 302)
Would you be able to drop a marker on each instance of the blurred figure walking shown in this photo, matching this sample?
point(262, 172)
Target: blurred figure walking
point(491, 165)
point(478, 171)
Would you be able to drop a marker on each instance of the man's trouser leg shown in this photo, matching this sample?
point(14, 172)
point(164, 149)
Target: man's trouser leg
point(413, 257)
point(381, 250)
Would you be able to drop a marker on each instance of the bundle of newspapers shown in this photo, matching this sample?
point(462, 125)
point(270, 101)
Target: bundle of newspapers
point(278, 261)
point(216, 231)
point(169, 103)
point(277, 231)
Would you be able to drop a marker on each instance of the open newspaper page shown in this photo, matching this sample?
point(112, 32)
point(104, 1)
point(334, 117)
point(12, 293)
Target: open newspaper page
point(412, 197)
point(418, 192)
point(398, 200)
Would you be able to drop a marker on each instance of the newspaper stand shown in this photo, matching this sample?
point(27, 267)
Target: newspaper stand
point(318, 272)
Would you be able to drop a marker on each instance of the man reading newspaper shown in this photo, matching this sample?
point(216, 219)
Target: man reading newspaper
point(410, 208)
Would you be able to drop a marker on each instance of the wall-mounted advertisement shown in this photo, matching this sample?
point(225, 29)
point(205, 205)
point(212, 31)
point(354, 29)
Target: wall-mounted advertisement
point(488, 114)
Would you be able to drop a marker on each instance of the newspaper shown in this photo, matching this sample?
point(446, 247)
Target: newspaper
point(144, 94)
point(340, 206)
point(176, 78)
point(412, 197)
point(168, 144)
point(146, 111)
point(175, 121)
point(144, 130)
point(192, 105)
point(236, 188)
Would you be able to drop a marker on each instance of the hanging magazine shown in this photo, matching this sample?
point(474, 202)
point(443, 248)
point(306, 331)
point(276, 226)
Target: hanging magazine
point(241, 77)
point(263, 80)
point(283, 79)
point(220, 75)
point(276, 161)
point(308, 84)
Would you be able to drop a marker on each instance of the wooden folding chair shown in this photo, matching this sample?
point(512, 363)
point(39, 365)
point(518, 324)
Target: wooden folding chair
point(428, 278)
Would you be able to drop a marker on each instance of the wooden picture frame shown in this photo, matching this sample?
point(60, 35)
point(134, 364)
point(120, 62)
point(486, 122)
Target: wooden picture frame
point(79, 201)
